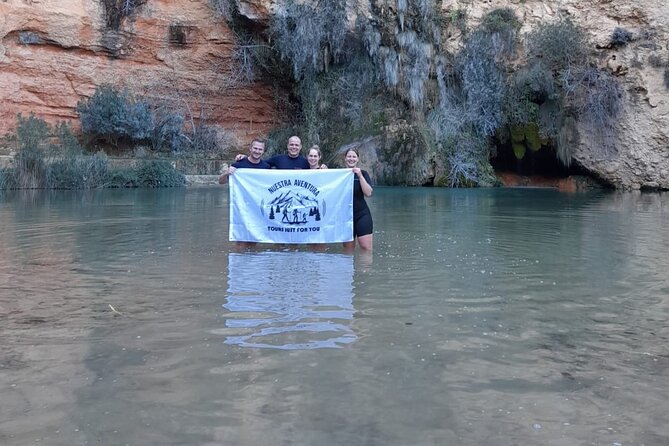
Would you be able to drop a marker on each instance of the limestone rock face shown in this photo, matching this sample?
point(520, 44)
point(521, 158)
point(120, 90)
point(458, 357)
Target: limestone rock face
point(392, 167)
point(641, 154)
point(397, 157)
point(55, 52)
point(257, 10)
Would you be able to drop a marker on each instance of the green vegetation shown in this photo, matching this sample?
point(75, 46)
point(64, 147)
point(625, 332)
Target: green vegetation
point(123, 120)
point(501, 21)
point(155, 173)
point(391, 74)
point(560, 45)
point(580, 92)
point(391, 69)
point(114, 116)
point(457, 18)
point(467, 160)
point(473, 89)
point(620, 37)
point(352, 80)
point(51, 158)
point(310, 38)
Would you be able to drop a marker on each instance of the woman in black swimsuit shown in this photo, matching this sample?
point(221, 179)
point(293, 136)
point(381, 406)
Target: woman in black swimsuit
point(363, 227)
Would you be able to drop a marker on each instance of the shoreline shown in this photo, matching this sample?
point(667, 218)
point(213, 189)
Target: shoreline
point(201, 180)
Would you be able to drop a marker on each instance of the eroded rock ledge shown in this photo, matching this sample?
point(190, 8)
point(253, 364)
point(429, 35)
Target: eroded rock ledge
point(54, 53)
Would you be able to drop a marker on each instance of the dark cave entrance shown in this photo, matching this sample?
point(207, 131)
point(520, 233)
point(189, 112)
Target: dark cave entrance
point(541, 163)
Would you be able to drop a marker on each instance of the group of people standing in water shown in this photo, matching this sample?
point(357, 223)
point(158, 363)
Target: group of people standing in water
point(363, 229)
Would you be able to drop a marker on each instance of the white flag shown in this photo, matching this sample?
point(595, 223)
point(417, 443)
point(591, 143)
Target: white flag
point(291, 206)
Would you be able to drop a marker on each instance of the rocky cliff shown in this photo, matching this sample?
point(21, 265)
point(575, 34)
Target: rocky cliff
point(55, 52)
point(52, 53)
point(641, 155)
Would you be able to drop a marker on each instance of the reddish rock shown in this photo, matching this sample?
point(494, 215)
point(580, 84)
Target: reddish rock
point(52, 54)
point(573, 183)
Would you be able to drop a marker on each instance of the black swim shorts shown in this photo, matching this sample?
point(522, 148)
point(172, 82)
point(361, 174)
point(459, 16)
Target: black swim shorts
point(362, 224)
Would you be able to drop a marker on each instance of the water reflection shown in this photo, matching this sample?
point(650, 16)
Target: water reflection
point(289, 300)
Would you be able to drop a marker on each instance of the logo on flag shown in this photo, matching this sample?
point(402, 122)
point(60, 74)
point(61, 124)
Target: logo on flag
point(294, 204)
point(291, 206)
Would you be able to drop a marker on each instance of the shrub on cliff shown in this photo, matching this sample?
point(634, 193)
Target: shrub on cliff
point(310, 38)
point(562, 47)
point(117, 10)
point(473, 94)
point(599, 104)
point(113, 115)
point(581, 92)
point(500, 20)
point(620, 37)
point(529, 89)
point(466, 161)
point(482, 82)
point(457, 18)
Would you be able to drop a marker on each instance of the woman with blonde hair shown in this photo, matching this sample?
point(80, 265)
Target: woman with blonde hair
point(314, 158)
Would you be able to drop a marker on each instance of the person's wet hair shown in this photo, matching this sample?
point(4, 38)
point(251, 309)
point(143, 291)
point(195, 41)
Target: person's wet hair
point(317, 149)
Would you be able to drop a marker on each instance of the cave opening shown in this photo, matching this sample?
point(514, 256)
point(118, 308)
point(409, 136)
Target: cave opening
point(542, 163)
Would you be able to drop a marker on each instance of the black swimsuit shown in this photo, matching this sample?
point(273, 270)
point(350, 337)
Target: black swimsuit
point(362, 217)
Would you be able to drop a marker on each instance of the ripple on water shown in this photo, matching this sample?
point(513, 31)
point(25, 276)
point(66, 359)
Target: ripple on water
point(481, 315)
point(286, 310)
